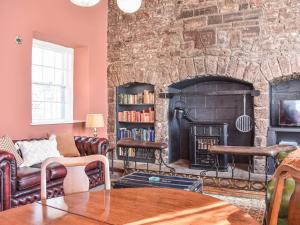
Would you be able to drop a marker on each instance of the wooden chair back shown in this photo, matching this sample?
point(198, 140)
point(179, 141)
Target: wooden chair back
point(76, 179)
point(289, 168)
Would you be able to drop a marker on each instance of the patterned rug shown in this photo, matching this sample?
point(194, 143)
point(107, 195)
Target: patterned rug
point(254, 207)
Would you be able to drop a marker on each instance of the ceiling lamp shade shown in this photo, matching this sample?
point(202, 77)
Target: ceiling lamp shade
point(129, 6)
point(85, 3)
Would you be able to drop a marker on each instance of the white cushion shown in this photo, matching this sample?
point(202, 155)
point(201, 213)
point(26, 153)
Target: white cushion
point(34, 152)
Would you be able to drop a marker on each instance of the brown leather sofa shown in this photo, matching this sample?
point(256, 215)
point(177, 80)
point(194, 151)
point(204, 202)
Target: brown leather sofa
point(20, 186)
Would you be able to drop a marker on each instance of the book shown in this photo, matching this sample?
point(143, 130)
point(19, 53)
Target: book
point(146, 115)
point(145, 97)
point(140, 134)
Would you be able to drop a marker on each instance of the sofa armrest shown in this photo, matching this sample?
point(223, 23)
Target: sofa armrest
point(8, 171)
point(91, 145)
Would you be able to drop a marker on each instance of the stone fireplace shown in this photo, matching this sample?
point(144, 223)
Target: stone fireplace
point(210, 100)
point(251, 41)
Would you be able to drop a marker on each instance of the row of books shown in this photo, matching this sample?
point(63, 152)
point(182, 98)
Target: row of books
point(147, 115)
point(139, 134)
point(145, 97)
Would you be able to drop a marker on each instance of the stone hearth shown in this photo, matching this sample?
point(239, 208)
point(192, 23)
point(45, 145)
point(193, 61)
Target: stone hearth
point(167, 41)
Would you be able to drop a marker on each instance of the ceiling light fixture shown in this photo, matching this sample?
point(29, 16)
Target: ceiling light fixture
point(85, 3)
point(129, 6)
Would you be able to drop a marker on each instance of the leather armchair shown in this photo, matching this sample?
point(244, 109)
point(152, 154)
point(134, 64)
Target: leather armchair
point(20, 186)
point(288, 190)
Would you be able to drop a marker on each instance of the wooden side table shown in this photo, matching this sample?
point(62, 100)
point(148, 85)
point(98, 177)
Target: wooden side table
point(268, 152)
point(125, 144)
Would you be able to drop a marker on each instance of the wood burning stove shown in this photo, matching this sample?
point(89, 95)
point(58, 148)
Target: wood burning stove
point(203, 135)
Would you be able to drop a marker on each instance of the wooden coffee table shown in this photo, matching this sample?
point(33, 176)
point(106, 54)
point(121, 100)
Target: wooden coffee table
point(128, 143)
point(158, 206)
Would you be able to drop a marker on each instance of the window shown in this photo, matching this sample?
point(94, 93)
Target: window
point(52, 83)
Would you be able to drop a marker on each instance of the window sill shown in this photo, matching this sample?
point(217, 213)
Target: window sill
point(56, 123)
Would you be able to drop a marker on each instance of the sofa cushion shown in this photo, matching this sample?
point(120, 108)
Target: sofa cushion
point(36, 151)
point(66, 145)
point(56, 170)
point(28, 177)
point(6, 144)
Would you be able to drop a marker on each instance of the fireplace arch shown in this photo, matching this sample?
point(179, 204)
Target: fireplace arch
point(208, 99)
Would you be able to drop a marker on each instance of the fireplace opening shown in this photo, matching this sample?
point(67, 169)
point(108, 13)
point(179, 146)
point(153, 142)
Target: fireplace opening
point(207, 100)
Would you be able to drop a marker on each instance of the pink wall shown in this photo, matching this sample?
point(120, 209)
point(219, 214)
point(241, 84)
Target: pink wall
point(61, 22)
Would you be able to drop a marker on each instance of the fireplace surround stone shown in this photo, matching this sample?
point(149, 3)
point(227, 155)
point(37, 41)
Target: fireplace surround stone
point(167, 41)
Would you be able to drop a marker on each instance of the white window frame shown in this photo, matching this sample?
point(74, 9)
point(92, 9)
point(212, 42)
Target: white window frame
point(69, 76)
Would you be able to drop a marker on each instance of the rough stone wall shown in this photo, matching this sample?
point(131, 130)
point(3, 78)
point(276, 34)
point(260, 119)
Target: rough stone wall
point(167, 41)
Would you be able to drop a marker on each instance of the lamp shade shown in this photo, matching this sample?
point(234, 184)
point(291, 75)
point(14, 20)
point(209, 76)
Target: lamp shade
point(94, 120)
point(129, 6)
point(85, 3)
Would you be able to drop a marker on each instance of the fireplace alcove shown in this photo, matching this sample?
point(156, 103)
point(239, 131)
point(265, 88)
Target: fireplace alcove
point(199, 99)
point(283, 90)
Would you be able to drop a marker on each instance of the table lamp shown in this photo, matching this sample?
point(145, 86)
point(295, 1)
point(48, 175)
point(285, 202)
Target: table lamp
point(94, 121)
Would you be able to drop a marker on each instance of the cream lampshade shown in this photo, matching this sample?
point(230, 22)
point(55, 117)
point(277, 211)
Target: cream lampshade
point(94, 121)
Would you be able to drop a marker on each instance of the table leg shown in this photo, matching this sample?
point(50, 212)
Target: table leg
point(232, 166)
point(232, 170)
point(172, 170)
point(124, 157)
point(126, 160)
point(112, 161)
point(249, 171)
point(147, 159)
point(217, 165)
point(267, 168)
point(135, 153)
point(159, 160)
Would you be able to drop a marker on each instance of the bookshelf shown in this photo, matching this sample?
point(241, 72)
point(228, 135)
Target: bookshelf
point(135, 118)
